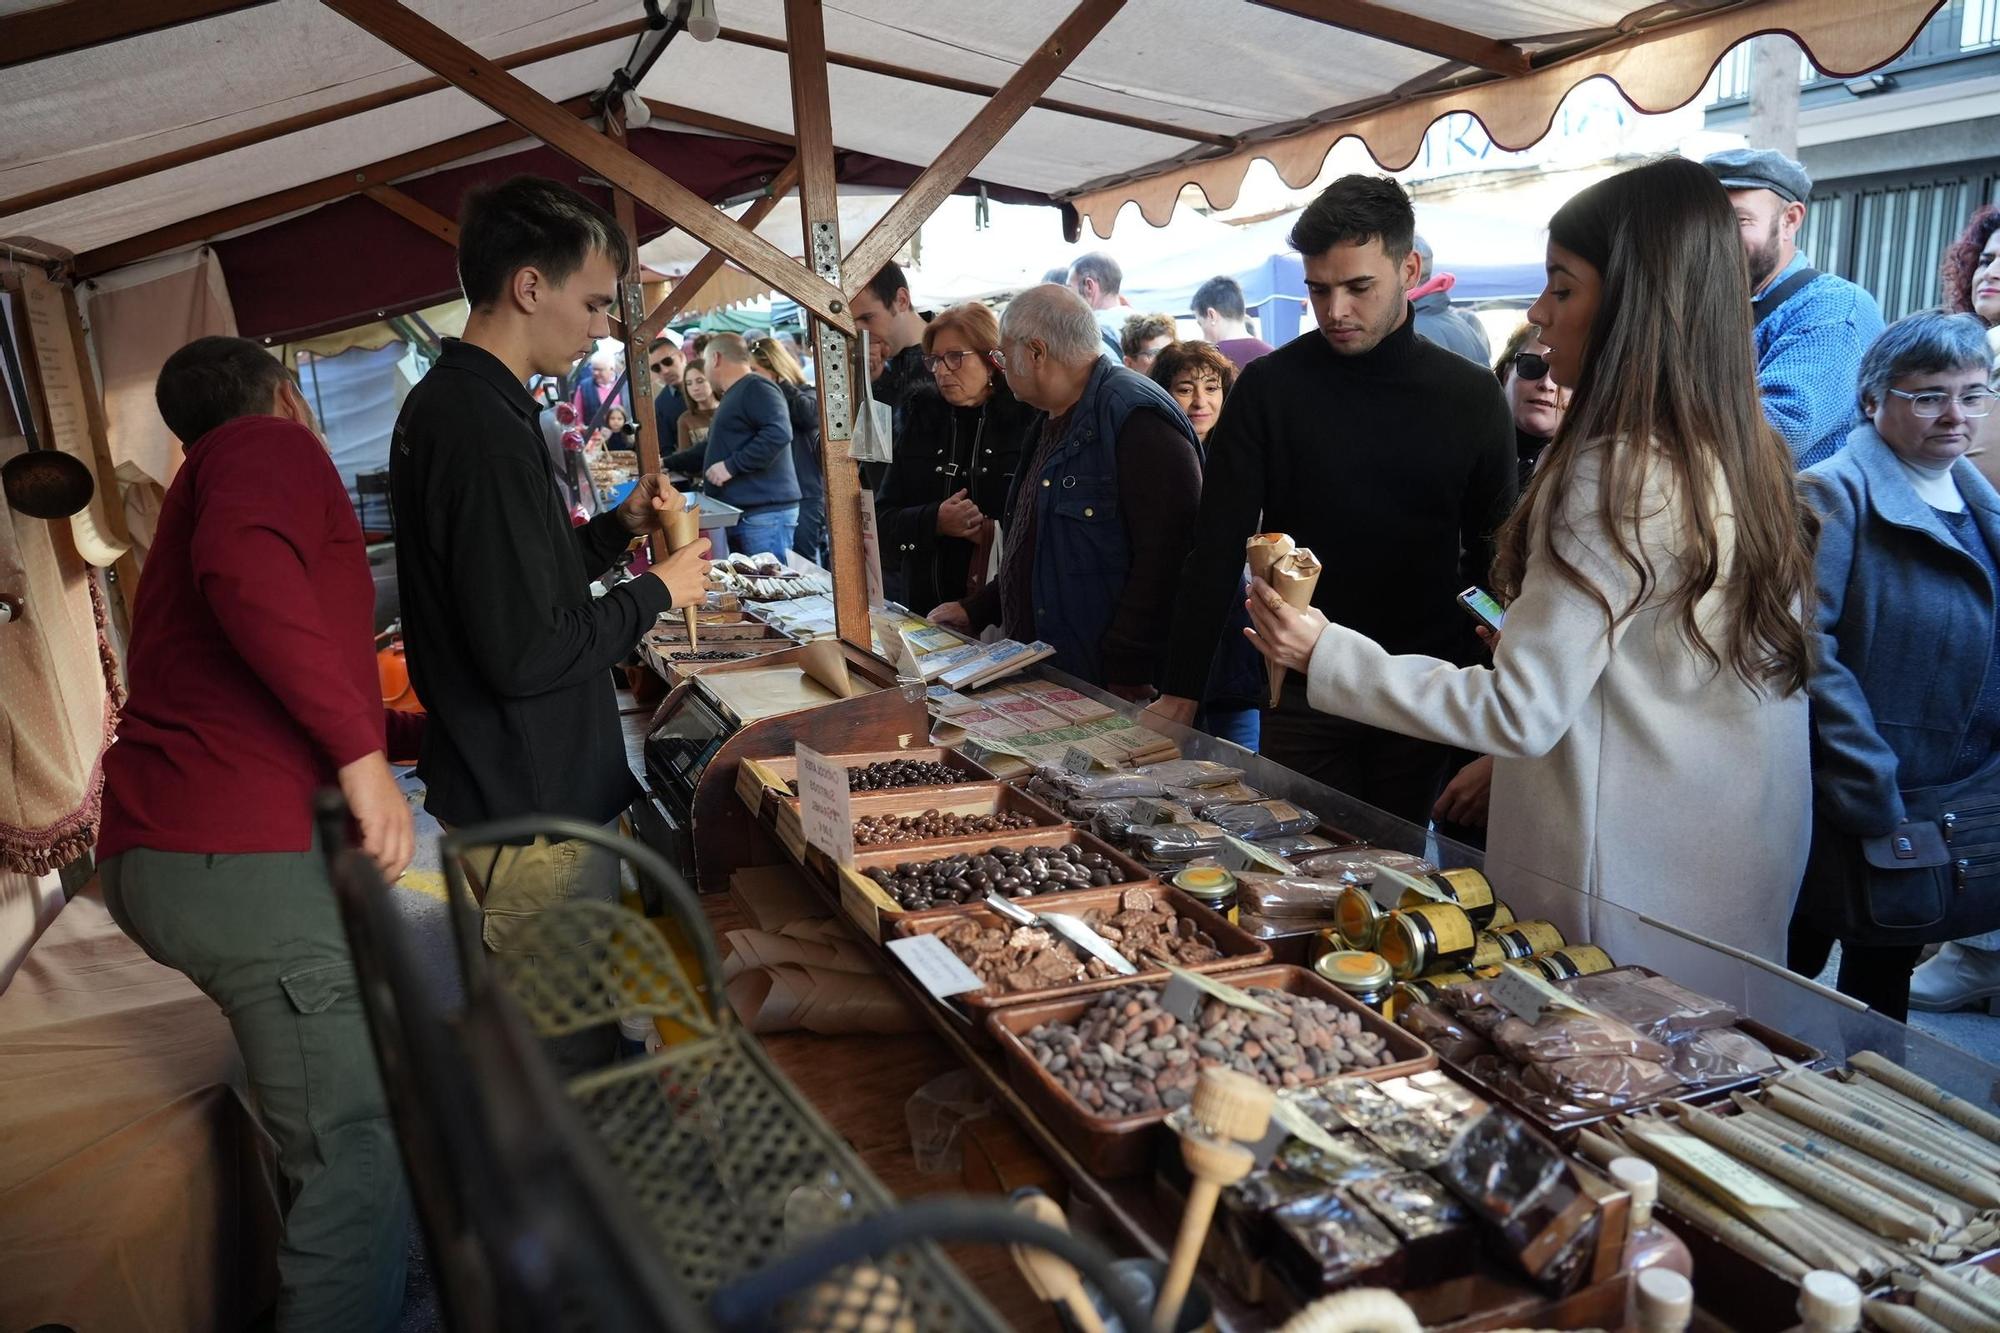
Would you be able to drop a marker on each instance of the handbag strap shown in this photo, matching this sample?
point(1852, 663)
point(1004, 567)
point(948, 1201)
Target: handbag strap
point(1761, 308)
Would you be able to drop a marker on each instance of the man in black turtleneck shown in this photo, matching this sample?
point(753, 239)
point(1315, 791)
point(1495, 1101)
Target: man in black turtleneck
point(1392, 458)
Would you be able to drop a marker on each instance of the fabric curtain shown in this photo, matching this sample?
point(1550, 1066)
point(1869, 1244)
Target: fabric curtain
point(138, 317)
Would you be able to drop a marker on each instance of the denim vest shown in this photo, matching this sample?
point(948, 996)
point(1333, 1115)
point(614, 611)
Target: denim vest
point(1081, 555)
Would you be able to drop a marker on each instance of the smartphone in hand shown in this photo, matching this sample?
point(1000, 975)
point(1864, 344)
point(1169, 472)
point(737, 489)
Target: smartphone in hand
point(1482, 606)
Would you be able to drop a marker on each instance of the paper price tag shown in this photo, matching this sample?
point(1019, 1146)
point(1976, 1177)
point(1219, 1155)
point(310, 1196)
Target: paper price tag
point(906, 659)
point(825, 811)
point(1397, 879)
point(1729, 1175)
point(1218, 989)
point(1076, 759)
point(1302, 1126)
point(1239, 854)
point(935, 966)
point(1528, 995)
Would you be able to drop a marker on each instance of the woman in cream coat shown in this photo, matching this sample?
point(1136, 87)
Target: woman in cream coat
point(1645, 705)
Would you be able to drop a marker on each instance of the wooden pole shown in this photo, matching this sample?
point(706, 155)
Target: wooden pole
point(812, 125)
point(687, 288)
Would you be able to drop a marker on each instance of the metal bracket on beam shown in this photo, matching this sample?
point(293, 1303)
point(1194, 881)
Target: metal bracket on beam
point(830, 372)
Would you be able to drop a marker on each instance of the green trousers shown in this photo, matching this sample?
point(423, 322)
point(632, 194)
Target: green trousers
point(260, 934)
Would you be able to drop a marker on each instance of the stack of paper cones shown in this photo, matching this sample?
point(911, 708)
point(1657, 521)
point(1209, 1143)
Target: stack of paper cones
point(1290, 568)
point(679, 527)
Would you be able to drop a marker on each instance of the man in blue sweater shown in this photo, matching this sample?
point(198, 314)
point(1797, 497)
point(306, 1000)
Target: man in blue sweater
point(749, 457)
point(1811, 327)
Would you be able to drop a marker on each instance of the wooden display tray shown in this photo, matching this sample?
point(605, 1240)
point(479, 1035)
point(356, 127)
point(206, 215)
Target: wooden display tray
point(674, 631)
point(970, 798)
point(876, 913)
point(786, 767)
point(1564, 1131)
point(1238, 949)
point(679, 669)
point(1123, 1146)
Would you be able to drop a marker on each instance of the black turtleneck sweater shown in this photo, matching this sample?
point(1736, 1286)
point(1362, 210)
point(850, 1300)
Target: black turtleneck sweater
point(1395, 466)
point(1528, 448)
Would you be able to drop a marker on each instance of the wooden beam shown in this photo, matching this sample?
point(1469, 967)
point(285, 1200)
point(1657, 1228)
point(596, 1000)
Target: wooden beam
point(976, 140)
point(252, 211)
point(705, 120)
point(632, 309)
point(415, 210)
point(1418, 34)
point(833, 360)
point(443, 54)
point(933, 80)
point(687, 288)
point(305, 120)
point(78, 25)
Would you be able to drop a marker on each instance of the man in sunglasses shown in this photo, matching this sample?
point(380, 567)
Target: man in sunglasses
point(663, 358)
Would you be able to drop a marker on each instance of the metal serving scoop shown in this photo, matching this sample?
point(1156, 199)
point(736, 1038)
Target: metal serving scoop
point(1066, 928)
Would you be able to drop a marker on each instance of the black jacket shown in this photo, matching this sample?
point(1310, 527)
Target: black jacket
point(941, 450)
point(803, 405)
point(508, 650)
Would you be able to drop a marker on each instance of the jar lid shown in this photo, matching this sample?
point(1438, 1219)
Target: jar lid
point(1829, 1300)
point(1354, 970)
point(1205, 882)
point(1402, 945)
point(1356, 914)
point(1666, 1299)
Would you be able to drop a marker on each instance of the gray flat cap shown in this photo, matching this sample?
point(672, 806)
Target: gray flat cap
point(1760, 169)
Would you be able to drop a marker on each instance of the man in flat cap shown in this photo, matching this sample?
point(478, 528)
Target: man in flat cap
point(1811, 327)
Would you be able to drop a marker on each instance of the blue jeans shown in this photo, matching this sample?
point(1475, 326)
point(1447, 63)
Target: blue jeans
point(1240, 725)
point(768, 531)
point(809, 539)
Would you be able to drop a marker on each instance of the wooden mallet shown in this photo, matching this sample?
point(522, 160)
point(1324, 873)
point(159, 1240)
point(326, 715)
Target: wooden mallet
point(1229, 1110)
point(1049, 1276)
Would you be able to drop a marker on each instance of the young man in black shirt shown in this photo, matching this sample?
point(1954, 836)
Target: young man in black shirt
point(1392, 458)
point(507, 648)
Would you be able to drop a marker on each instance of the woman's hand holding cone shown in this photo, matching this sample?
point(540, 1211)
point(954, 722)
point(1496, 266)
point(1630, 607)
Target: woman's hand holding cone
point(1285, 634)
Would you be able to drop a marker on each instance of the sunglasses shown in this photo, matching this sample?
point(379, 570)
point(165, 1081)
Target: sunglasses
point(1531, 365)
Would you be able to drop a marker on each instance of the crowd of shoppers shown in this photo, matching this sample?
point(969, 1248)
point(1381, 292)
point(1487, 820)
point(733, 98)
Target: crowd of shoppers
point(1748, 680)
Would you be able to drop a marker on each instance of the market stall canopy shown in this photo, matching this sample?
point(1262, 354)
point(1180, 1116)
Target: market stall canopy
point(126, 138)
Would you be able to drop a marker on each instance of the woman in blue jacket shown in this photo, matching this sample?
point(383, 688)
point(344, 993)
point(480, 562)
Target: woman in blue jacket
point(1906, 671)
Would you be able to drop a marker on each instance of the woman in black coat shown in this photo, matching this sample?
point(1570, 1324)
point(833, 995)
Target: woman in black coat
point(961, 441)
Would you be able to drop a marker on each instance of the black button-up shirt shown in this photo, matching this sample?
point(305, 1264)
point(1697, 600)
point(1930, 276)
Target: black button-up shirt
point(507, 649)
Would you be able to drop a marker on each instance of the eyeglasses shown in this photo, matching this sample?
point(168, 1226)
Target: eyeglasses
point(949, 360)
point(660, 367)
point(1530, 366)
point(1975, 403)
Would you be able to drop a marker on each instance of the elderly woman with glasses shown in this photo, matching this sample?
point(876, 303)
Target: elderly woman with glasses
point(1906, 681)
point(962, 439)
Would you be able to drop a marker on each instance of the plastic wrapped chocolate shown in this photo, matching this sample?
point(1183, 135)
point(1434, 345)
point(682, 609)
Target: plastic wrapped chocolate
point(1289, 897)
point(1190, 773)
point(1363, 863)
point(1327, 1241)
point(1262, 820)
point(1176, 843)
point(1522, 1187)
point(1203, 799)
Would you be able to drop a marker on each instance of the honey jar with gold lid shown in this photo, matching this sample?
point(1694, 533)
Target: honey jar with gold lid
point(1211, 886)
point(1363, 976)
point(1358, 916)
point(1524, 939)
point(1575, 960)
point(1467, 888)
point(1428, 937)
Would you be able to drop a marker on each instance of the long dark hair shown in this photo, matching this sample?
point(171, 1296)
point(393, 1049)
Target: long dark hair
point(1669, 361)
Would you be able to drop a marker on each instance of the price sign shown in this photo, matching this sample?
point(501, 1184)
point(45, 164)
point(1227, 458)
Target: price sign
point(1206, 985)
point(824, 809)
point(1529, 995)
point(935, 966)
point(1076, 759)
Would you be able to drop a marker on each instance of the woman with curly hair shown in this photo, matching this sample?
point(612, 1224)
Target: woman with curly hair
point(1971, 285)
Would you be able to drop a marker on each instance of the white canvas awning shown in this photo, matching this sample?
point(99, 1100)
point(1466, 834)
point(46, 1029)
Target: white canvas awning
point(216, 120)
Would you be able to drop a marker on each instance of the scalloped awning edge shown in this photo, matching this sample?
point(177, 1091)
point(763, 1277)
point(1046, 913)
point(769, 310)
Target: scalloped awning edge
point(1656, 70)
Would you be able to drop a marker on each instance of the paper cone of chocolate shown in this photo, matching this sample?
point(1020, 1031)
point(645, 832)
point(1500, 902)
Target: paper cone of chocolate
point(679, 527)
point(1294, 574)
point(1264, 550)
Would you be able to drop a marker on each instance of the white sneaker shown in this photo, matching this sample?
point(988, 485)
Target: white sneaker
point(1955, 977)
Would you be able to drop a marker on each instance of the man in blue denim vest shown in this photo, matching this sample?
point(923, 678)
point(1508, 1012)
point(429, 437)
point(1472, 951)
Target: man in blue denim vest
point(1101, 516)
